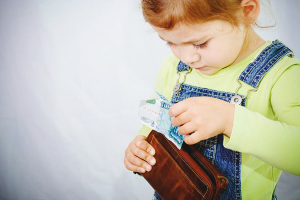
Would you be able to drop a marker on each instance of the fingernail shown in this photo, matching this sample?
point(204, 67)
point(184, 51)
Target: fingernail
point(152, 152)
point(143, 170)
point(148, 168)
point(152, 161)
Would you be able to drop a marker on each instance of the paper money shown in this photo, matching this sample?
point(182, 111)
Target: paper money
point(149, 112)
point(175, 137)
point(154, 113)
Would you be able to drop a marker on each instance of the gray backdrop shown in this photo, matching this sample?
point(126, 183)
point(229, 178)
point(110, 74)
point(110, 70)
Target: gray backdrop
point(72, 74)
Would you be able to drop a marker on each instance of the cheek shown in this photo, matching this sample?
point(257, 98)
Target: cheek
point(221, 55)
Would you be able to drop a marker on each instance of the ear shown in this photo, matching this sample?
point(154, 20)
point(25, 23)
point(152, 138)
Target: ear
point(251, 10)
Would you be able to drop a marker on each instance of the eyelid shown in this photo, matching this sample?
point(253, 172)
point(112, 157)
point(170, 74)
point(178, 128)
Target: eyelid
point(202, 45)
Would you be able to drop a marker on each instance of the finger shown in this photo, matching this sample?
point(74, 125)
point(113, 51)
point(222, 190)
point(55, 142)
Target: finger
point(178, 108)
point(187, 128)
point(132, 167)
point(137, 162)
point(196, 137)
point(181, 119)
point(139, 151)
point(191, 139)
point(143, 144)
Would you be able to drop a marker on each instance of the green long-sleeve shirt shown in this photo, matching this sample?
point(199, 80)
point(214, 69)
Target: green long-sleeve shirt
point(266, 131)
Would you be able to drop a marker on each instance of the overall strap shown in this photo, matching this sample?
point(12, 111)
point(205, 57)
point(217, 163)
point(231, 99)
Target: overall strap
point(182, 66)
point(256, 70)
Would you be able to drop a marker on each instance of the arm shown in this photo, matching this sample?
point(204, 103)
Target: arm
point(276, 142)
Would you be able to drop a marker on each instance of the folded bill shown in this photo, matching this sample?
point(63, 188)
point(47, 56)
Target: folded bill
point(149, 112)
point(154, 113)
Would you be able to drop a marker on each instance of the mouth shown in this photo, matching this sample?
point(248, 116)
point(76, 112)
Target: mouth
point(200, 68)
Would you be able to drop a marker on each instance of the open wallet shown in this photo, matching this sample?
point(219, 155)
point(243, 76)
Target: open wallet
point(184, 173)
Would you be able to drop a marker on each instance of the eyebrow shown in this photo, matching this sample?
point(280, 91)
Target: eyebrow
point(189, 42)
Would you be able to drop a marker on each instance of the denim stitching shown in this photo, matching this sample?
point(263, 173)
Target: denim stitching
point(256, 70)
point(238, 184)
point(255, 82)
point(267, 67)
point(252, 65)
point(199, 91)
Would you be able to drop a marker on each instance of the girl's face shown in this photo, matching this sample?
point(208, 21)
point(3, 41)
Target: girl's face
point(207, 47)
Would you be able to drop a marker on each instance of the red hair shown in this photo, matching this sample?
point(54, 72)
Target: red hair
point(169, 13)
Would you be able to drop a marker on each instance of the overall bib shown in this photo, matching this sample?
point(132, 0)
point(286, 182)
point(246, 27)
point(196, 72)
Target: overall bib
point(228, 162)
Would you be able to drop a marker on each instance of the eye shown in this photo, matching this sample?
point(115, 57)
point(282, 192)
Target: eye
point(169, 44)
point(200, 46)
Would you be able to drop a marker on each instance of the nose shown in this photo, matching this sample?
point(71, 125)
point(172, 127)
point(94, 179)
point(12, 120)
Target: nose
point(188, 55)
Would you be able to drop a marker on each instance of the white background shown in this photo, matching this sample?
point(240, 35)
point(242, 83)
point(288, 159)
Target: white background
point(72, 74)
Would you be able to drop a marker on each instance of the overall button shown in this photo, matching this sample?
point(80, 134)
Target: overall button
point(236, 99)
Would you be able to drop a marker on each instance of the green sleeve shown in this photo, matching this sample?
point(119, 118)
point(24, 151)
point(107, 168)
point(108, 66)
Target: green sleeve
point(144, 131)
point(277, 142)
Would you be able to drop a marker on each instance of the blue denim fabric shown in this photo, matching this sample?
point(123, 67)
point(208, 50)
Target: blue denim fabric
point(192, 91)
point(228, 162)
point(156, 196)
point(182, 66)
point(254, 72)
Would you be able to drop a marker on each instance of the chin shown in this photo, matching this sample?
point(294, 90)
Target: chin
point(206, 71)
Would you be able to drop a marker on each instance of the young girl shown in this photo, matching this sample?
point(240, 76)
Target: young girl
point(237, 97)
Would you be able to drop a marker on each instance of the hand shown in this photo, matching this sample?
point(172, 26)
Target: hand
point(200, 118)
point(139, 155)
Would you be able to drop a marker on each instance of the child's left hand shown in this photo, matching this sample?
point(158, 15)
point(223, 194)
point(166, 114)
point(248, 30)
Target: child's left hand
point(200, 118)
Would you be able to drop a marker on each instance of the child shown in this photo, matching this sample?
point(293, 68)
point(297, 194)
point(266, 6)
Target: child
point(240, 104)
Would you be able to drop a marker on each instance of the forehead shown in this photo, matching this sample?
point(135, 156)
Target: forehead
point(184, 34)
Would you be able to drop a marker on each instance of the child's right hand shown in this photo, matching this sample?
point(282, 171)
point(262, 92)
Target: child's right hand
point(139, 155)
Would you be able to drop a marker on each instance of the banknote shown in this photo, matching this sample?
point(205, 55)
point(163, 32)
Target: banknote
point(149, 112)
point(165, 126)
point(175, 136)
point(154, 113)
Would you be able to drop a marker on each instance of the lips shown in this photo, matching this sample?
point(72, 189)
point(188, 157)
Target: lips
point(200, 68)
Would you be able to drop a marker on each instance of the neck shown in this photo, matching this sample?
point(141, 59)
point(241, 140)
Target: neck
point(252, 42)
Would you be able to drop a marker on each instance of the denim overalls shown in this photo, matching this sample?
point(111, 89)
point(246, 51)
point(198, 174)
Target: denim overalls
point(228, 162)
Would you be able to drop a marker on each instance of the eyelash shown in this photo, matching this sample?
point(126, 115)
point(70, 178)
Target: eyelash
point(196, 46)
point(200, 46)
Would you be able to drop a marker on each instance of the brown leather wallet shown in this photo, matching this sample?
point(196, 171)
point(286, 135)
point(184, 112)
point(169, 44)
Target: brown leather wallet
point(184, 173)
